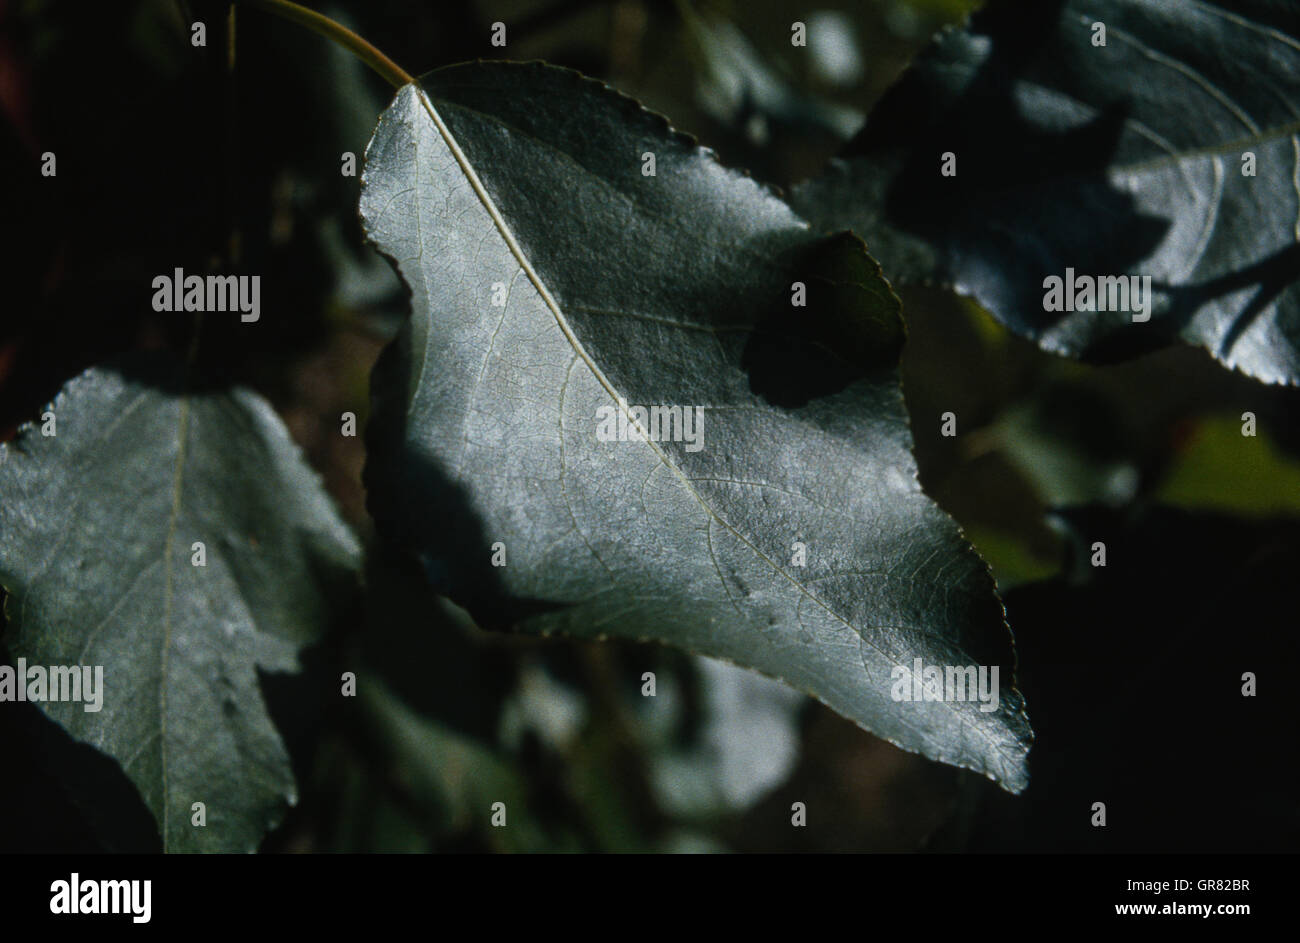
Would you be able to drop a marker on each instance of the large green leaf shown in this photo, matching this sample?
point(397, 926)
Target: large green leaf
point(96, 532)
point(1122, 159)
point(629, 290)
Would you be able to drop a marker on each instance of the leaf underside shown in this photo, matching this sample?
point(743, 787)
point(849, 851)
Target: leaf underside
point(623, 289)
point(96, 533)
point(1123, 159)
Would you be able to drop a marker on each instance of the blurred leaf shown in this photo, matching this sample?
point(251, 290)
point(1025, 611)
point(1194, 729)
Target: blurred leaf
point(456, 777)
point(1010, 558)
point(749, 744)
point(1070, 442)
point(1220, 469)
point(95, 551)
point(1119, 159)
point(739, 88)
point(671, 289)
point(544, 708)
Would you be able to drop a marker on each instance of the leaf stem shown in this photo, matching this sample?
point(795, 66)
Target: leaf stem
point(340, 34)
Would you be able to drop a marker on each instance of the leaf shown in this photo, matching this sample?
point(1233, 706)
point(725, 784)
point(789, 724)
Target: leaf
point(674, 289)
point(1218, 469)
point(96, 535)
point(1123, 159)
point(455, 780)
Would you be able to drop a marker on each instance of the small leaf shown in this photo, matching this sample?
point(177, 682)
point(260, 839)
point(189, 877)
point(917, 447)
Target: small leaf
point(624, 289)
point(1123, 159)
point(97, 530)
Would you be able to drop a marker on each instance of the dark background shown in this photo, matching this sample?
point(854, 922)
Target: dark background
point(1131, 673)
